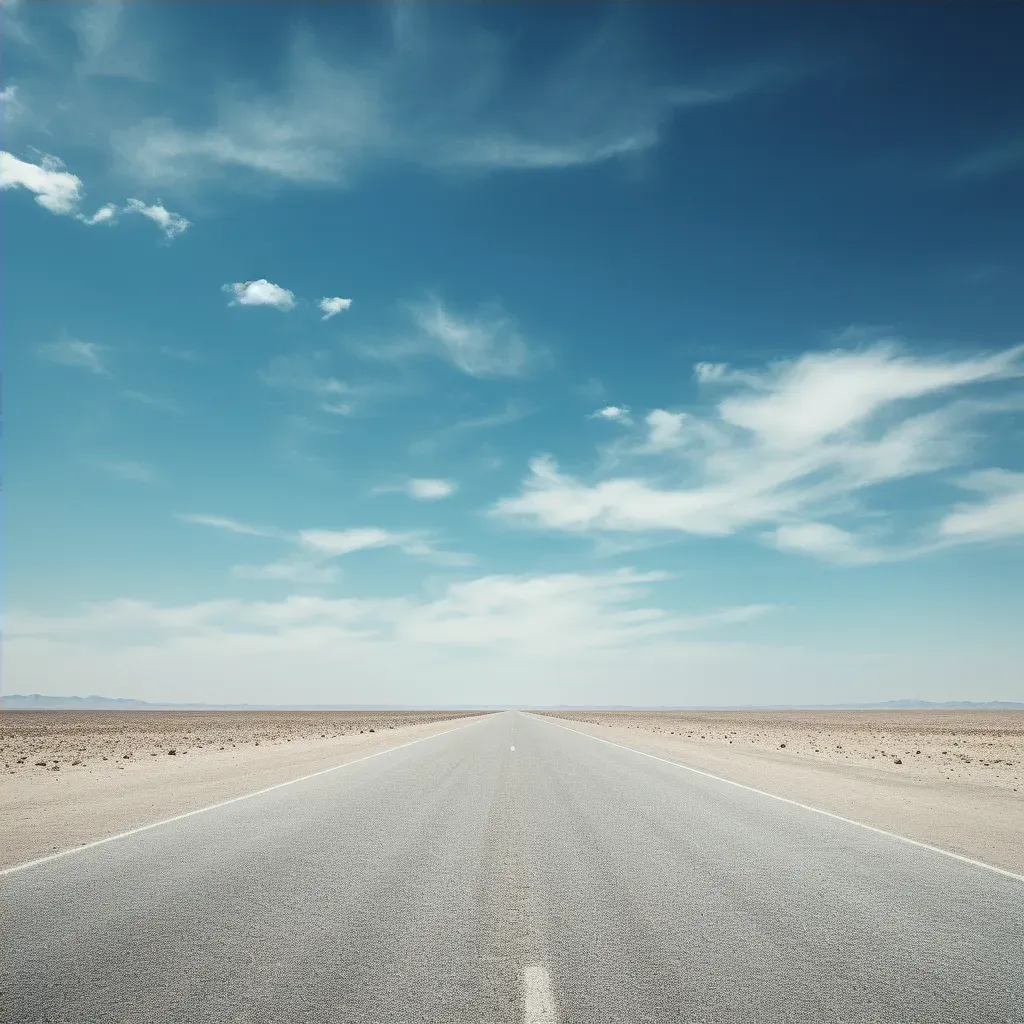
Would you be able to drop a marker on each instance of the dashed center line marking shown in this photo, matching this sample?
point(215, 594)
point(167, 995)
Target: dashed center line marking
point(538, 1001)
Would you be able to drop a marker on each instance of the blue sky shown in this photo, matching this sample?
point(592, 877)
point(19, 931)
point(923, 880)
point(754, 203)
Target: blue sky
point(514, 354)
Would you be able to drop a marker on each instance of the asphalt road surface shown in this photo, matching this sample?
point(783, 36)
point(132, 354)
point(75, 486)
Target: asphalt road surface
point(461, 880)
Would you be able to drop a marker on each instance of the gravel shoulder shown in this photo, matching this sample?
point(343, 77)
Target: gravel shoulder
point(73, 777)
point(950, 779)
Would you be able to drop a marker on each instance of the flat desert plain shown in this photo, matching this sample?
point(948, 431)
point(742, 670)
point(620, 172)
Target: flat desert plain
point(72, 777)
point(953, 779)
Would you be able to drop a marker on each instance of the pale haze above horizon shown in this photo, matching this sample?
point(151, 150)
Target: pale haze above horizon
point(519, 355)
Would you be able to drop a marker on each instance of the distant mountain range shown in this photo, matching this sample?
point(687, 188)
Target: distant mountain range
point(40, 702)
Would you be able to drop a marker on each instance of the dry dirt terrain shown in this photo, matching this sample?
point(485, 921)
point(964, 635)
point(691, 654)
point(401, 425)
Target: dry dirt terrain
point(75, 776)
point(954, 779)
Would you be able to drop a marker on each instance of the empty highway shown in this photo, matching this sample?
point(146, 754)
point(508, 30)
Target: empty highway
point(511, 870)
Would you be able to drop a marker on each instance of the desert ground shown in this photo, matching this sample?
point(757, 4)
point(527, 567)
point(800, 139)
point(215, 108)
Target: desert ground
point(72, 777)
point(953, 779)
point(985, 747)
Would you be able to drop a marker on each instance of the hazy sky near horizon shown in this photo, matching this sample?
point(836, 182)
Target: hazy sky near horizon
point(661, 354)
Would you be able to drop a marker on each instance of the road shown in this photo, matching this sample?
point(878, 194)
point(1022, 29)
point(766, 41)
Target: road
point(511, 871)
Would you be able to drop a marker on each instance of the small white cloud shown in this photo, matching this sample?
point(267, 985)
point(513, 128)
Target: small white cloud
point(133, 472)
point(104, 215)
point(55, 188)
point(332, 307)
point(260, 293)
point(171, 224)
point(614, 414)
point(430, 490)
point(72, 352)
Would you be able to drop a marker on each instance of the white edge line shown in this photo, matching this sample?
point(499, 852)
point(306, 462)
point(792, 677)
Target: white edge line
point(795, 803)
point(223, 803)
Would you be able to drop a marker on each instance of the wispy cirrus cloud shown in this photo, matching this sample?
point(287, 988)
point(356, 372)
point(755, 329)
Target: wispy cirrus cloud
point(787, 447)
point(993, 161)
point(335, 543)
point(310, 378)
point(334, 114)
point(998, 516)
point(149, 401)
point(512, 412)
point(317, 547)
point(85, 355)
point(229, 525)
point(130, 471)
point(486, 344)
point(344, 542)
point(309, 375)
point(12, 107)
point(107, 46)
point(829, 544)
